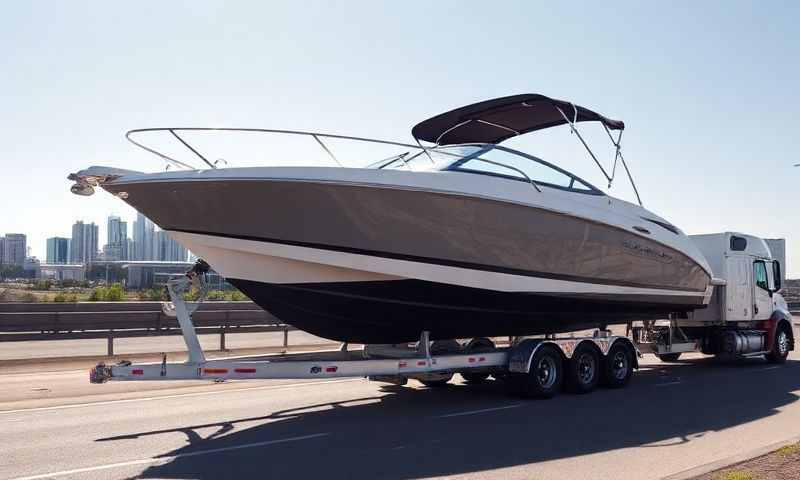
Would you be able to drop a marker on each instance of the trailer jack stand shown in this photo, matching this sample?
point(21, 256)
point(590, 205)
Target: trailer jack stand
point(177, 287)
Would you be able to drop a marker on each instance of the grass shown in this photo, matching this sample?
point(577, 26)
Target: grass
point(789, 450)
point(736, 475)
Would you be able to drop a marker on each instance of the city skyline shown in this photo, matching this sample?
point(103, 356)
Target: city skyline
point(147, 243)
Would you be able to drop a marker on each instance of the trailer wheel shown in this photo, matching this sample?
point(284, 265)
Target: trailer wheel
point(618, 366)
point(583, 369)
point(780, 345)
point(477, 345)
point(441, 347)
point(544, 378)
point(669, 357)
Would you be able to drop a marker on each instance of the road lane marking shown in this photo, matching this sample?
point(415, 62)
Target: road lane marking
point(146, 461)
point(667, 384)
point(475, 412)
point(771, 368)
point(177, 395)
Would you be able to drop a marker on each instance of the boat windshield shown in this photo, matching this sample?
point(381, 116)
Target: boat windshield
point(434, 159)
point(487, 159)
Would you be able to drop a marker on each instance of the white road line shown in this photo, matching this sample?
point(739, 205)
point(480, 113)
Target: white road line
point(145, 461)
point(771, 368)
point(668, 384)
point(475, 412)
point(177, 395)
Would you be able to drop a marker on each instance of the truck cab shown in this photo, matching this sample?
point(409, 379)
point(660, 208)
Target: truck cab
point(748, 276)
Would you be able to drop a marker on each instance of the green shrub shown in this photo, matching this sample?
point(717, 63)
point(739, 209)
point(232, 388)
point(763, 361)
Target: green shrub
point(60, 298)
point(216, 295)
point(238, 296)
point(96, 295)
point(114, 293)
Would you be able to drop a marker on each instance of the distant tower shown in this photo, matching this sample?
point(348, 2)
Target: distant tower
point(84, 243)
point(15, 249)
point(143, 238)
point(58, 250)
point(117, 245)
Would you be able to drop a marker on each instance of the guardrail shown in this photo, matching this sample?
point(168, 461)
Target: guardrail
point(110, 320)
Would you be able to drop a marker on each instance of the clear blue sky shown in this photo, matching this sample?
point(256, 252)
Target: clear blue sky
point(708, 90)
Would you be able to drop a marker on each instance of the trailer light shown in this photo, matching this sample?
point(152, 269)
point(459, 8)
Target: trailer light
point(137, 371)
point(245, 370)
point(421, 363)
point(471, 360)
point(331, 369)
point(214, 370)
point(402, 364)
point(482, 359)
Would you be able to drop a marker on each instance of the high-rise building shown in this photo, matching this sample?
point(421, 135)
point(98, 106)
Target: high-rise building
point(117, 246)
point(58, 250)
point(2, 249)
point(14, 249)
point(167, 249)
point(83, 246)
point(143, 238)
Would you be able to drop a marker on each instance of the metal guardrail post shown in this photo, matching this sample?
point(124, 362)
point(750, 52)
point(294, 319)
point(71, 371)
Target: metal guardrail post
point(222, 339)
point(111, 343)
point(286, 337)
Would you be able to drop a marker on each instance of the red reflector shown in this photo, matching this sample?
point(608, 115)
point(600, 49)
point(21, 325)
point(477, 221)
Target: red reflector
point(402, 364)
point(331, 369)
point(471, 360)
point(421, 362)
point(137, 371)
point(482, 359)
point(215, 370)
point(245, 370)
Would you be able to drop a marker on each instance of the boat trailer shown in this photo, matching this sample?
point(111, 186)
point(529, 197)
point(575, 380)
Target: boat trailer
point(538, 361)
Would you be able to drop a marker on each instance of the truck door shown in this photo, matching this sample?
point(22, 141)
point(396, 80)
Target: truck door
point(762, 301)
point(739, 292)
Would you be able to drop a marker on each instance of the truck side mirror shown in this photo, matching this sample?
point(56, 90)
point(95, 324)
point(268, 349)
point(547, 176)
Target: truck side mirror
point(776, 273)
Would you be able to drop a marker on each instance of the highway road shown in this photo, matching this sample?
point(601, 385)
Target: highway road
point(672, 417)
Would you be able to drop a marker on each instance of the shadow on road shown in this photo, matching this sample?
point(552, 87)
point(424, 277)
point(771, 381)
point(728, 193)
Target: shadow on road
point(400, 433)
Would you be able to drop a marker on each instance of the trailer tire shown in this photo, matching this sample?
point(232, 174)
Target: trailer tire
point(669, 357)
point(583, 369)
point(477, 345)
point(618, 366)
point(780, 345)
point(544, 378)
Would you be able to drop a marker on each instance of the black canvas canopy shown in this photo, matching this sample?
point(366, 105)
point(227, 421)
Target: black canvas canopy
point(493, 121)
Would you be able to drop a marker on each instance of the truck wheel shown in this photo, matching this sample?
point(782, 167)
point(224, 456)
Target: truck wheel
point(583, 369)
point(477, 345)
point(441, 347)
point(669, 357)
point(544, 378)
point(780, 346)
point(618, 366)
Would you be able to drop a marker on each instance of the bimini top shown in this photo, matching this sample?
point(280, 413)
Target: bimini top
point(493, 121)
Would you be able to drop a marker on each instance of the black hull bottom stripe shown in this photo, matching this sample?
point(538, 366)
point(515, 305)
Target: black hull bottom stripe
point(398, 311)
point(438, 261)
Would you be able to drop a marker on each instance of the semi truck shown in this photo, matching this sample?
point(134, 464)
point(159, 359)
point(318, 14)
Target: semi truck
point(746, 317)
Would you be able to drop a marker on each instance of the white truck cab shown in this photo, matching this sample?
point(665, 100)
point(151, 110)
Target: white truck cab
point(748, 276)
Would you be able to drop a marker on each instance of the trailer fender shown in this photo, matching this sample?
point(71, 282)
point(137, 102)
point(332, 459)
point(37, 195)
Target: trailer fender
point(522, 354)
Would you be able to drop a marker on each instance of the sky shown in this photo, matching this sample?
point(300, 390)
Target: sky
point(707, 91)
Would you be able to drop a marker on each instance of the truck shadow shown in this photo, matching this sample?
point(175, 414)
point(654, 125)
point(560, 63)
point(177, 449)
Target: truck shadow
point(403, 433)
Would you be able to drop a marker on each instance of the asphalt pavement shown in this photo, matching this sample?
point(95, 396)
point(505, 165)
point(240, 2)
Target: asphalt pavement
point(672, 418)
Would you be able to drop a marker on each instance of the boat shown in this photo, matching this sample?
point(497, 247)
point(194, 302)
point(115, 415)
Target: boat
point(457, 235)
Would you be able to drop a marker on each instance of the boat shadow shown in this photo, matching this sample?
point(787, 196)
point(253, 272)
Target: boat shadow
point(403, 433)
